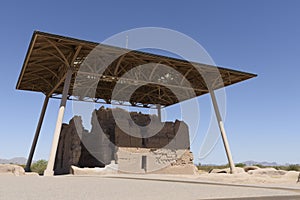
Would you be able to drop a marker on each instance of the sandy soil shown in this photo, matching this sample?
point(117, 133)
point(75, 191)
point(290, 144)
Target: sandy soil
point(141, 187)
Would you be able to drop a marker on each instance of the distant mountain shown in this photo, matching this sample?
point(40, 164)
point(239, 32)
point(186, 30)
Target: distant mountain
point(251, 162)
point(17, 160)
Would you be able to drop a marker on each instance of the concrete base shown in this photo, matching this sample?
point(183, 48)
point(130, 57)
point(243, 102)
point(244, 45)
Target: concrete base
point(48, 173)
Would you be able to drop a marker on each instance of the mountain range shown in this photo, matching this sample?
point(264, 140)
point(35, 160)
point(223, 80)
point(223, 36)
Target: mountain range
point(16, 160)
point(22, 161)
point(264, 163)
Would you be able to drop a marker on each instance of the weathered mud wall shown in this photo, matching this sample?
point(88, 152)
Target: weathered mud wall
point(69, 148)
point(109, 140)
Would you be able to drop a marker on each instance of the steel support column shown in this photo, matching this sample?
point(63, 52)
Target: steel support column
point(222, 130)
point(158, 106)
point(37, 133)
point(50, 167)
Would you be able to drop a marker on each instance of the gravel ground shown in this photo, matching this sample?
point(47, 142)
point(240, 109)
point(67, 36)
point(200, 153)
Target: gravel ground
point(131, 187)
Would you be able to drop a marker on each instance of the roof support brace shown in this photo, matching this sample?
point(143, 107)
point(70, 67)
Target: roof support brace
point(37, 133)
point(222, 130)
point(50, 167)
point(158, 106)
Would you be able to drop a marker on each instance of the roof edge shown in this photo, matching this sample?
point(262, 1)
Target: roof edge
point(29, 50)
point(142, 52)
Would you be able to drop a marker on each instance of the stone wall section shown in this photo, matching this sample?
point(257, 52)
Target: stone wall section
point(69, 146)
point(109, 141)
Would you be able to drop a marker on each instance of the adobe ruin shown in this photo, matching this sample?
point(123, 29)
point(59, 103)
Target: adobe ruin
point(168, 151)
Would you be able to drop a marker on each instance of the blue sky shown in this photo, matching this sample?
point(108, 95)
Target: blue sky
point(262, 37)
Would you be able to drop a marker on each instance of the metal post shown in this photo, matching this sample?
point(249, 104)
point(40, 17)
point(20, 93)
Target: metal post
point(222, 130)
point(50, 167)
point(158, 106)
point(37, 133)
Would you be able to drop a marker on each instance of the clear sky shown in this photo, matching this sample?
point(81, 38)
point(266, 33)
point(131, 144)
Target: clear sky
point(257, 36)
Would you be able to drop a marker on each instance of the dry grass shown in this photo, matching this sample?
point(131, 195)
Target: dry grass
point(207, 168)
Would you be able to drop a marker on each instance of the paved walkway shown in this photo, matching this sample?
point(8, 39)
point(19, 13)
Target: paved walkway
point(132, 187)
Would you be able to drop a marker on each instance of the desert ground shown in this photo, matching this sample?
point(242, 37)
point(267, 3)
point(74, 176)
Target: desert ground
point(125, 186)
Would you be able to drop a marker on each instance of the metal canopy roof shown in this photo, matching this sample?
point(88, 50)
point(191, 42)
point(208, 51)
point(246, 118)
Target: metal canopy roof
point(49, 57)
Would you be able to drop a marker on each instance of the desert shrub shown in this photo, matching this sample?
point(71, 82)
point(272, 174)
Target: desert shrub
point(208, 168)
point(279, 167)
point(39, 166)
point(240, 165)
point(260, 166)
point(293, 168)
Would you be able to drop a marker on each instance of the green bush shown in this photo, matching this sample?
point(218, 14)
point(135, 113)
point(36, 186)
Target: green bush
point(293, 168)
point(39, 166)
point(279, 168)
point(260, 166)
point(207, 168)
point(240, 165)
